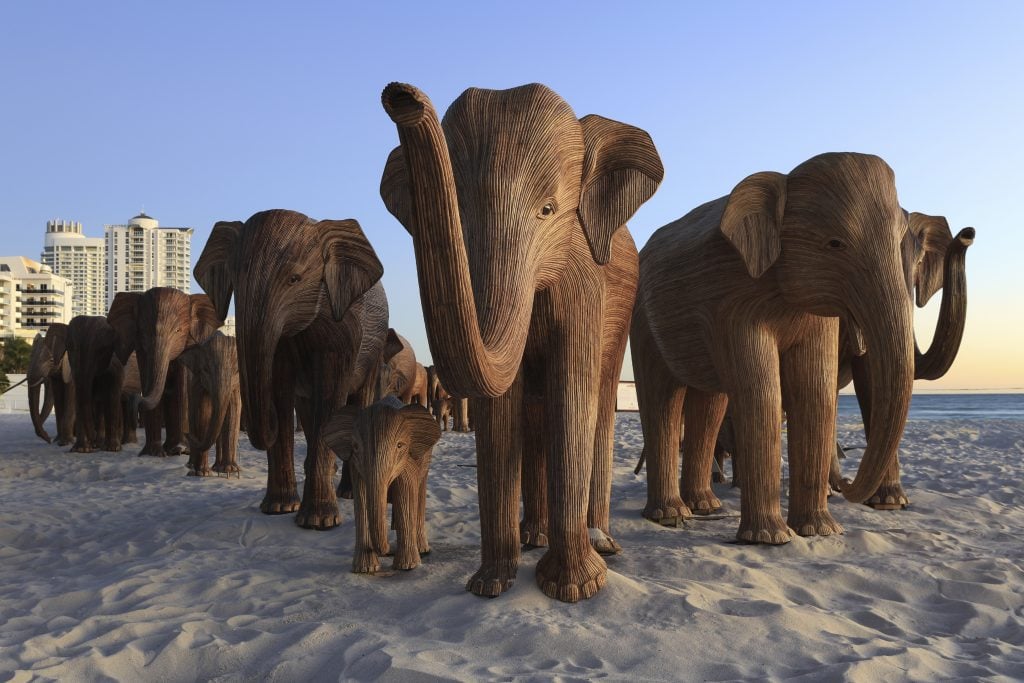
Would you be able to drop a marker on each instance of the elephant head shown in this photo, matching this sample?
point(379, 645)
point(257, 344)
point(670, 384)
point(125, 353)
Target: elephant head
point(214, 366)
point(829, 234)
point(495, 197)
point(396, 361)
point(283, 268)
point(381, 442)
point(48, 361)
point(158, 325)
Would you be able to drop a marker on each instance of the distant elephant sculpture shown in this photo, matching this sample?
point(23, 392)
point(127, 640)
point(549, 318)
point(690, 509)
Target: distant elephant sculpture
point(420, 393)
point(526, 282)
point(311, 321)
point(49, 369)
point(388, 446)
point(158, 325)
point(214, 405)
point(932, 259)
point(399, 372)
point(461, 414)
point(442, 411)
point(94, 353)
point(735, 300)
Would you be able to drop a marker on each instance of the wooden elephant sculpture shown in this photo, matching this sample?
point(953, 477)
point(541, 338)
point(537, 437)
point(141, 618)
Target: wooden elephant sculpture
point(400, 373)
point(49, 369)
point(527, 277)
point(311, 321)
point(158, 325)
point(214, 405)
point(388, 446)
point(737, 299)
point(94, 354)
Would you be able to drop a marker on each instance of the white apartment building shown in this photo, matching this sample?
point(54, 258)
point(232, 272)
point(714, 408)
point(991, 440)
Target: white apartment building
point(142, 255)
point(31, 297)
point(80, 259)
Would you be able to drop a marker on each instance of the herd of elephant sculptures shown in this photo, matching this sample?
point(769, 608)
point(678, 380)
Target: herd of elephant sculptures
point(760, 303)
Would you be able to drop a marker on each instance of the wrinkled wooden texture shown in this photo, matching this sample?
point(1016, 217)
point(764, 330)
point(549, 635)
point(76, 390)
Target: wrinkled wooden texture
point(933, 258)
point(401, 375)
point(158, 325)
point(736, 299)
point(50, 370)
point(527, 278)
point(388, 446)
point(311, 321)
point(214, 405)
point(97, 373)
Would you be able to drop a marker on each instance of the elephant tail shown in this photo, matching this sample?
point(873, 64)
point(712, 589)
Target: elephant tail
point(641, 461)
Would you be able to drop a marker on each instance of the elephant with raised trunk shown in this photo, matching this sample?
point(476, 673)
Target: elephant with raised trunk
point(158, 325)
point(527, 278)
point(49, 369)
point(214, 405)
point(311, 319)
point(742, 298)
point(388, 446)
point(932, 259)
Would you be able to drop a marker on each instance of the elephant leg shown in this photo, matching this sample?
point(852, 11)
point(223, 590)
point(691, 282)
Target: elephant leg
point(571, 569)
point(112, 408)
point(421, 508)
point(129, 419)
point(808, 373)
point(152, 421)
point(498, 455)
point(319, 508)
point(753, 367)
point(201, 406)
point(533, 529)
point(64, 407)
point(227, 441)
point(702, 416)
point(85, 423)
point(282, 493)
point(404, 509)
point(661, 405)
point(890, 494)
point(175, 403)
point(364, 557)
point(599, 503)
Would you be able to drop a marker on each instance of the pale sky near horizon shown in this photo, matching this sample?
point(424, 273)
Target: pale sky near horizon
point(207, 111)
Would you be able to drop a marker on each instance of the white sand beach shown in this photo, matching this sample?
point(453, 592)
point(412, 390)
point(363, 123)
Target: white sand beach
point(114, 567)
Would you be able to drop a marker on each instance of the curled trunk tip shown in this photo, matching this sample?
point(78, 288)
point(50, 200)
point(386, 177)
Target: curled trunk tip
point(405, 104)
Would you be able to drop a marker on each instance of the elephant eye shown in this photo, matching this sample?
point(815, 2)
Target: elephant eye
point(547, 210)
point(836, 245)
point(294, 278)
point(400, 445)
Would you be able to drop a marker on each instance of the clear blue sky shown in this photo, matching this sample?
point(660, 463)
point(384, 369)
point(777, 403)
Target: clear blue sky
point(206, 111)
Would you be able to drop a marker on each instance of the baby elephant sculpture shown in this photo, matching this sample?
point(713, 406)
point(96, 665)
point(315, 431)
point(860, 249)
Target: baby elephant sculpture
point(388, 447)
point(214, 405)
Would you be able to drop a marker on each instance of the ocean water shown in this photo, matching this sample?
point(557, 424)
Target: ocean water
point(950, 406)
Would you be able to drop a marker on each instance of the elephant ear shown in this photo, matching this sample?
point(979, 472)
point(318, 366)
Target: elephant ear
point(394, 189)
point(121, 316)
point(213, 271)
point(57, 340)
point(934, 236)
point(392, 345)
point(204, 318)
point(621, 171)
point(424, 431)
point(338, 430)
point(351, 267)
point(191, 358)
point(752, 220)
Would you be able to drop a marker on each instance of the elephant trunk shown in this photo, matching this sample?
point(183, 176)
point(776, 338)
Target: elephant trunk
point(377, 514)
point(949, 328)
point(154, 367)
point(256, 349)
point(888, 328)
point(475, 356)
point(33, 408)
point(218, 409)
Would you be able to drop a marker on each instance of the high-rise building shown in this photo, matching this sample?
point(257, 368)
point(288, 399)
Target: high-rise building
point(141, 255)
point(32, 297)
point(80, 259)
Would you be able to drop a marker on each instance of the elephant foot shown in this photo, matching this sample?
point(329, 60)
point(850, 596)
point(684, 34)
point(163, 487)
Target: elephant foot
point(199, 472)
point(227, 469)
point(176, 449)
point(321, 515)
point(365, 562)
point(154, 449)
point(492, 579)
point(344, 491)
point(64, 441)
point(571, 582)
point(816, 523)
point(889, 497)
point(112, 446)
point(82, 447)
point(768, 529)
point(533, 534)
point(717, 478)
point(406, 559)
point(671, 511)
point(280, 503)
point(603, 543)
point(44, 436)
point(701, 501)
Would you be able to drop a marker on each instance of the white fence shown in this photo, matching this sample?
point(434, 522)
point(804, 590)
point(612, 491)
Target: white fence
point(16, 400)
